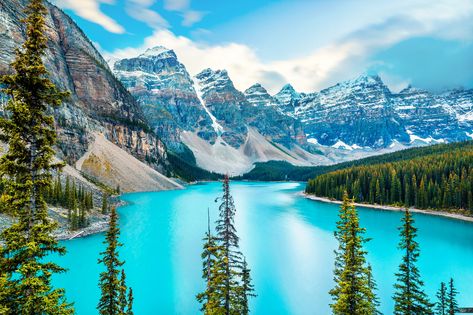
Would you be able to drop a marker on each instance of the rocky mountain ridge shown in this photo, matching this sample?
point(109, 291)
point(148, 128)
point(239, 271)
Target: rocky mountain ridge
point(98, 104)
point(360, 115)
point(216, 112)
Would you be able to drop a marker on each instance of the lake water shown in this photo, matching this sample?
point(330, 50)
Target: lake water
point(287, 239)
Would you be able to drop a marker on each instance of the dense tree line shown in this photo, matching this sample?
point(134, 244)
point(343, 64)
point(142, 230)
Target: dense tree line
point(281, 170)
point(75, 198)
point(437, 181)
point(185, 168)
point(225, 270)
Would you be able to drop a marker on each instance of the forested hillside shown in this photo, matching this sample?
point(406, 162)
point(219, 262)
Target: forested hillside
point(280, 170)
point(440, 177)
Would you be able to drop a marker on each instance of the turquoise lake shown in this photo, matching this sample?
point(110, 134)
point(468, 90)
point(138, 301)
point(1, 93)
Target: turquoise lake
point(288, 242)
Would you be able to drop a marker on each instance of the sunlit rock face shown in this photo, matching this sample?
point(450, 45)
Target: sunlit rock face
point(166, 93)
point(98, 102)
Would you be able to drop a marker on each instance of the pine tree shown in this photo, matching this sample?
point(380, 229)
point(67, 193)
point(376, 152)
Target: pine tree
point(104, 203)
point(409, 297)
point(109, 283)
point(26, 169)
point(212, 272)
point(130, 302)
point(373, 287)
point(228, 281)
point(441, 305)
point(231, 256)
point(4, 294)
point(352, 293)
point(452, 299)
point(122, 298)
point(247, 289)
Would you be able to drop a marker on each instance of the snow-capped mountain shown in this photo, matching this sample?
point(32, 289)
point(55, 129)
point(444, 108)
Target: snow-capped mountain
point(364, 113)
point(166, 93)
point(349, 120)
point(208, 110)
point(258, 96)
point(357, 112)
point(288, 99)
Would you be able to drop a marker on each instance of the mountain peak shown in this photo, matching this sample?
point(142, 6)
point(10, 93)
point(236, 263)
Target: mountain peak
point(369, 79)
point(288, 88)
point(256, 88)
point(156, 51)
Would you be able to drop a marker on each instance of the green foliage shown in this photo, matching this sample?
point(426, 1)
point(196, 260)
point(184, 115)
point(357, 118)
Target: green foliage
point(73, 197)
point(441, 305)
point(105, 205)
point(228, 280)
point(113, 299)
point(436, 181)
point(246, 289)
point(353, 291)
point(26, 171)
point(188, 171)
point(281, 170)
point(452, 305)
point(129, 310)
point(409, 296)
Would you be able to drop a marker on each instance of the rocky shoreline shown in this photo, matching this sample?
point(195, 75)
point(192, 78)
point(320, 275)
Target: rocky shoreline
point(450, 215)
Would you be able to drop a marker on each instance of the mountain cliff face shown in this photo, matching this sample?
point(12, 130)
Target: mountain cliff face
point(365, 113)
point(166, 93)
point(227, 130)
point(99, 103)
point(208, 105)
point(288, 99)
point(360, 115)
point(355, 112)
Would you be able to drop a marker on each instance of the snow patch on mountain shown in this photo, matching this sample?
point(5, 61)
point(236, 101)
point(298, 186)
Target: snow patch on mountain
point(414, 138)
point(215, 124)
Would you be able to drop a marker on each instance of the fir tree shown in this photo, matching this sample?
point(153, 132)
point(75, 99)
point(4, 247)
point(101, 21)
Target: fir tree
point(122, 298)
point(352, 293)
point(228, 281)
point(409, 297)
point(212, 272)
point(452, 299)
point(231, 256)
point(129, 310)
point(441, 305)
point(373, 287)
point(109, 283)
point(247, 289)
point(26, 169)
point(104, 203)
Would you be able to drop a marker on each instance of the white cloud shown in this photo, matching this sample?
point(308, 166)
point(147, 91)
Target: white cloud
point(90, 10)
point(343, 59)
point(191, 17)
point(140, 10)
point(176, 5)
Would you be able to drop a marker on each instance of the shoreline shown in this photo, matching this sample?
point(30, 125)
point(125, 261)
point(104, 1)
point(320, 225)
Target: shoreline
point(448, 215)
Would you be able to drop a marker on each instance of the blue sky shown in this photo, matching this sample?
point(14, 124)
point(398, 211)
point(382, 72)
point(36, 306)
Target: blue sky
point(311, 44)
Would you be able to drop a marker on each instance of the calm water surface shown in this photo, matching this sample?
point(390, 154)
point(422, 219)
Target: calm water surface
point(288, 242)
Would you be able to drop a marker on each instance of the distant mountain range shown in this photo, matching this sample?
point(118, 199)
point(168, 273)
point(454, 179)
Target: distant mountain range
point(149, 106)
point(349, 120)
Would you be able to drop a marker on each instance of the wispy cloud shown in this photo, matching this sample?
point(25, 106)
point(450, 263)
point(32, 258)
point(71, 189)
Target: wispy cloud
point(90, 10)
point(189, 16)
point(141, 10)
point(341, 59)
